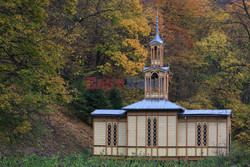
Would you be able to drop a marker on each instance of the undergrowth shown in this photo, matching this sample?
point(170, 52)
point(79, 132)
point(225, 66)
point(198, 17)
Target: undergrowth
point(239, 157)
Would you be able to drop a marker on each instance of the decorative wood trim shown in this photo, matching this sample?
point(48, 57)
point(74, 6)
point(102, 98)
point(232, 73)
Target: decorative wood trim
point(106, 136)
point(206, 121)
point(186, 137)
point(117, 138)
point(127, 135)
point(145, 86)
point(150, 89)
point(152, 133)
point(112, 136)
point(195, 137)
point(157, 133)
point(176, 136)
point(93, 136)
point(207, 136)
point(217, 136)
point(164, 146)
point(202, 137)
point(136, 134)
point(146, 136)
point(106, 121)
point(227, 136)
point(167, 136)
point(159, 115)
point(167, 84)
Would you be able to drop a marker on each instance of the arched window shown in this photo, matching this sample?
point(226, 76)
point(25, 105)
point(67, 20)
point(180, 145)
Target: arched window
point(154, 81)
point(155, 53)
point(109, 135)
point(149, 131)
point(114, 134)
point(204, 134)
point(155, 131)
point(198, 134)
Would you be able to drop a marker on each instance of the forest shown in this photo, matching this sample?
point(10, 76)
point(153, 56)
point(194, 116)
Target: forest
point(48, 48)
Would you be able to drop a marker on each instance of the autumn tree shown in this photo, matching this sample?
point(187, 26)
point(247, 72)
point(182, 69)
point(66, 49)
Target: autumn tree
point(29, 79)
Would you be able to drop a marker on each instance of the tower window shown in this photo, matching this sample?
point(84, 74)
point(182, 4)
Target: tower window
point(154, 81)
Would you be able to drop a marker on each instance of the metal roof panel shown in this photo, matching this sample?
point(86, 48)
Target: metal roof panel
point(162, 68)
point(106, 112)
point(225, 112)
point(148, 104)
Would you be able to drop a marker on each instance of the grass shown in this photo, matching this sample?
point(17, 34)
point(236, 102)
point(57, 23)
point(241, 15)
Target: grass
point(238, 158)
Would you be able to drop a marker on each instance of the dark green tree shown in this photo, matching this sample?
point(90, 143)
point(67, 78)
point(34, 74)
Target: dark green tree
point(115, 99)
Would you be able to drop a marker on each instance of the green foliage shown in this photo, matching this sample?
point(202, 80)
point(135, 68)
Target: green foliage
point(28, 64)
point(238, 157)
point(115, 99)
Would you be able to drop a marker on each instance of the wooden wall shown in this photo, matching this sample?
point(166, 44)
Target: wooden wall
point(176, 136)
point(100, 136)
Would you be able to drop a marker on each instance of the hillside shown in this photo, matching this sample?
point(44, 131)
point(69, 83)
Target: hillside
point(62, 132)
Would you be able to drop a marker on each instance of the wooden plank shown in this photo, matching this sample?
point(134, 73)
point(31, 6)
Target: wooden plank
point(151, 115)
point(195, 137)
point(217, 135)
point(186, 137)
point(93, 136)
point(227, 136)
point(167, 136)
point(117, 138)
point(136, 136)
point(150, 85)
point(207, 136)
point(146, 128)
point(106, 136)
point(127, 132)
point(112, 136)
point(176, 136)
point(157, 133)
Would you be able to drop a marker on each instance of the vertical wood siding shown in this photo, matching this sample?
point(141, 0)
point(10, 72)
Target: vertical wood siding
point(122, 151)
point(131, 151)
point(131, 130)
point(141, 131)
point(162, 131)
point(212, 136)
point(191, 134)
point(172, 130)
point(222, 134)
point(99, 150)
point(141, 151)
point(122, 138)
point(181, 134)
point(99, 133)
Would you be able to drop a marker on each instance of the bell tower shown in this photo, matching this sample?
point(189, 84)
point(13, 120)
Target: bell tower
point(156, 76)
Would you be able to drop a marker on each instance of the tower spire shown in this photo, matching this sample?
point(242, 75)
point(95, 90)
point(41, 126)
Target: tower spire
point(157, 21)
point(157, 36)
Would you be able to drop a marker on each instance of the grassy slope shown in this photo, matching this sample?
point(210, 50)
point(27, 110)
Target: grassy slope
point(63, 133)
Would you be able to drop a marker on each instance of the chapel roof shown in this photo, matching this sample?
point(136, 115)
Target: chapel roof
point(108, 112)
point(153, 104)
point(224, 112)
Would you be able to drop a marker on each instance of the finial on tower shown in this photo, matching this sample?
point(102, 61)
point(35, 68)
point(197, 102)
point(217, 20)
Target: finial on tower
point(157, 22)
point(157, 37)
